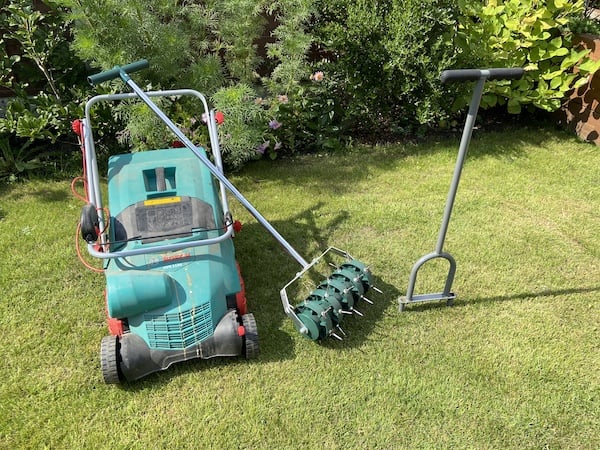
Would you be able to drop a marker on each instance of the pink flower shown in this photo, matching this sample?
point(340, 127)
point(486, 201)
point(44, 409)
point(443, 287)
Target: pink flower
point(273, 124)
point(283, 99)
point(317, 76)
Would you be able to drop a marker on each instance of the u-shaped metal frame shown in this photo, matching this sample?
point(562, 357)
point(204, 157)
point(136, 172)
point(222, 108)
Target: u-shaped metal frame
point(446, 294)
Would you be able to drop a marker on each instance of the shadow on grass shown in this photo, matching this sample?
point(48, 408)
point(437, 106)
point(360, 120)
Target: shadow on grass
point(342, 172)
point(462, 302)
point(41, 190)
point(527, 295)
point(266, 268)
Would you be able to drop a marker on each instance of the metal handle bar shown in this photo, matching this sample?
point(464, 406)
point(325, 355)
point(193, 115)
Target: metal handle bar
point(117, 71)
point(448, 76)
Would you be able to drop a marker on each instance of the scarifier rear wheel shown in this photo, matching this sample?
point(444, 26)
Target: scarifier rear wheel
point(89, 223)
point(109, 359)
point(250, 336)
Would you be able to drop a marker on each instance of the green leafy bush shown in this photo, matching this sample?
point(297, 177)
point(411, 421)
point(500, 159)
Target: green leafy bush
point(242, 135)
point(311, 118)
point(388, 56)
point(209, 46)
point(589, 21)
point(17, 158)
point(529, 34)
point(44, 77)
point(45, 82)
point(329, 71)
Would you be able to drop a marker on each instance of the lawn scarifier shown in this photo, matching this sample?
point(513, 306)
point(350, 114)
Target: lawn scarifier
point(174, 290)
point(447, 76)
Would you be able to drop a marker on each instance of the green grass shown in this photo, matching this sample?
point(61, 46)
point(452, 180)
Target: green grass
point(514, 364)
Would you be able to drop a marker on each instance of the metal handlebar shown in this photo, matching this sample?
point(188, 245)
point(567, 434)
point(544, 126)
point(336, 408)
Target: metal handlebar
point(448, 76)
point(117, 71)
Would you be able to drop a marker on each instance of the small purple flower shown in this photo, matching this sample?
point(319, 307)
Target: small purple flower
point(273, 124)
point(262, 148)
point(277, 146)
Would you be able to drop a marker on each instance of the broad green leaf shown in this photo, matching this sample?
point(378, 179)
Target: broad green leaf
point(552, 75)
point(589, 66)
point(557, 52)
point(557, 42)
point(513, 106)
point(556, 82)
point(489, 100)
point(580, 82)
point(573, 58)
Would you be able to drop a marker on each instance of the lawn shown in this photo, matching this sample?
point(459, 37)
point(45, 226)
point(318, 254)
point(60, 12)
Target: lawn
point(515, 363)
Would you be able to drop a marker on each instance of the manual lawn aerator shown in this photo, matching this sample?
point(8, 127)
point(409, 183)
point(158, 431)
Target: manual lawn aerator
point(448, 76)
point(173, 288)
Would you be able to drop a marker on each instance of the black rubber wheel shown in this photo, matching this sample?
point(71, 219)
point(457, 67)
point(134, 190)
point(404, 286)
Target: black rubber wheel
point(250, 336)
point(109, 359)
point(89, 223)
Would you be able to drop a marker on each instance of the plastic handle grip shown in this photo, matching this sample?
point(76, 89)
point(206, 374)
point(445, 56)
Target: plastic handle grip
point(115, 72)
point(449, 76)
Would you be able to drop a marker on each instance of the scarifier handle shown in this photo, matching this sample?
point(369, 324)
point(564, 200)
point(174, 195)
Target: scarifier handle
point(448, 76)
point(116, 71)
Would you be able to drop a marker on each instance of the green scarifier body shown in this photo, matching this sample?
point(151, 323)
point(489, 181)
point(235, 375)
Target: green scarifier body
point(173, 301)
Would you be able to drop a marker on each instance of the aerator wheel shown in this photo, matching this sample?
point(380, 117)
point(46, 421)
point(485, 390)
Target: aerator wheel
point(109, 359)
point(250, 336)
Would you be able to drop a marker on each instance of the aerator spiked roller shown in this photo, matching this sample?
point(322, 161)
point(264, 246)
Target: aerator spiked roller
point(320, 314)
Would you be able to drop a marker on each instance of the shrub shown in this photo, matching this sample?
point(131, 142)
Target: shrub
point(388, 56)
point(333, 70)
point(45, 82)
point(311, 118)
point(529, 34)
point(210, 46)
point(588, 21)
point(243, 134)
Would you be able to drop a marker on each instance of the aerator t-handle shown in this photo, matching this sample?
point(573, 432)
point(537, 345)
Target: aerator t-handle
point(448, 76)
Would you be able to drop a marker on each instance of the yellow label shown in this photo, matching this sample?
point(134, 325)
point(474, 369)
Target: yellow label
point(162, 201)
